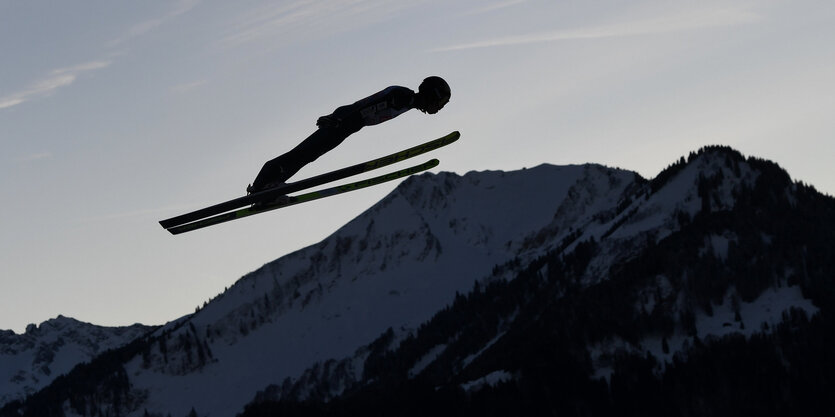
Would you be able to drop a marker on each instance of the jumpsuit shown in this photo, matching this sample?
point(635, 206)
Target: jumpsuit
point(343, 122)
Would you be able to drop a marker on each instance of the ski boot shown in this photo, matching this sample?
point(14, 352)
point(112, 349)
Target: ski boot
point(268, 201)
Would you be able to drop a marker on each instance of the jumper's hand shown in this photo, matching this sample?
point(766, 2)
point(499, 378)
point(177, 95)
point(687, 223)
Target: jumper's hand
point(328, 122)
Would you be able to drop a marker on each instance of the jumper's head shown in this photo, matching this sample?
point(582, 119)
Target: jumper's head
point(433, 94)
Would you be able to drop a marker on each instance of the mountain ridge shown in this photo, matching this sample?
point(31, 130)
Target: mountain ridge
point(342, 310)
point(709, 319)
point(34, 358)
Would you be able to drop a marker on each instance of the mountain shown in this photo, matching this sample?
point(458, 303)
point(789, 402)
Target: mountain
point(567, 290)
point(706, 291)
point(30, 361)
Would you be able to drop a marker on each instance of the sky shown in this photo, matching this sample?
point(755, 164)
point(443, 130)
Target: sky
point(115, 115)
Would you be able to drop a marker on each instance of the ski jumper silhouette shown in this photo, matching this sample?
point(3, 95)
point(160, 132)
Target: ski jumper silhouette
point(433, 93)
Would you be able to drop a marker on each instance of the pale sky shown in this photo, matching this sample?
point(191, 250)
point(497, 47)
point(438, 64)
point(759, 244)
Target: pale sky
point(114, 115)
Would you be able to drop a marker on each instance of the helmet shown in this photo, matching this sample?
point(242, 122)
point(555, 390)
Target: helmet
point(435, 93)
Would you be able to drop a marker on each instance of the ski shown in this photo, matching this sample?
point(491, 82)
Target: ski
point(310, 182)
point(302, 198)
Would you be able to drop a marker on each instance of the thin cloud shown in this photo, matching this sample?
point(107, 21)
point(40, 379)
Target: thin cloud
point(36, 157)
point(307, 17)
point(89, 66)
point(58, 78)
point(264, 21)
point(665, 24)
point(182, 88)
point(497, 6)
point(65, 76)
point(10, 101)
point(139, 29)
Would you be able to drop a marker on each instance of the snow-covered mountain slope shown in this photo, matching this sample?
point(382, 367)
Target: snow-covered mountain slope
point(449, 276)
point(721, 259)
point(394, 266)
point(30, 361)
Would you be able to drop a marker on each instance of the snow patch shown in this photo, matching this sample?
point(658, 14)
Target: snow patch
point(767, 309)
point(717, 245)
point(469, 359)
point(426, 360)
point(490, 379)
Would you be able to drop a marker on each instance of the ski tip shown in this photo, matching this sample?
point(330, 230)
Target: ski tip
point(448, 138)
